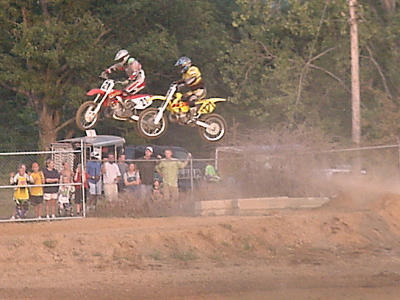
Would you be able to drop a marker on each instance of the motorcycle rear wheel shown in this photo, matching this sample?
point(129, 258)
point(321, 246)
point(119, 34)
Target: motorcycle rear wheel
point(146, 127)
point(85, 117)
point(217, 128)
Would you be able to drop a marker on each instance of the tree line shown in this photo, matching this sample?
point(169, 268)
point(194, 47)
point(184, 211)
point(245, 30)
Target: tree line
point(281, 63)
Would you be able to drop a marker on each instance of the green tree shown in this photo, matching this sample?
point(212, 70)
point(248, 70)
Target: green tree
point(281, 54)
point(289, 65)
point(48, 52)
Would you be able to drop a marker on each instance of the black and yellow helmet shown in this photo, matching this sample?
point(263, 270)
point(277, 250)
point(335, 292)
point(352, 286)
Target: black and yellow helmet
point(183, 62)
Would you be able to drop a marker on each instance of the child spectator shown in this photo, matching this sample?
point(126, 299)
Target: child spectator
point(36, 198)
point(21, 193)
point(132, 179)
point(78, 178)
point(67, 171)
point(65, 197)
point(156, 195)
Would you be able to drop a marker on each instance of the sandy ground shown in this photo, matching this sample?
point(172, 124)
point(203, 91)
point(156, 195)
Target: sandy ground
point(339, 251)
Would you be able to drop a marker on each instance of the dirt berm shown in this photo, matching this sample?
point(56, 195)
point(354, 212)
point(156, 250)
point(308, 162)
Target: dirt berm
point(334, 252)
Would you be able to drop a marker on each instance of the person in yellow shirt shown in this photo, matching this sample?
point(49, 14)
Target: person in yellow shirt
point(21, 193)
point(191, 79)
point(36, 193)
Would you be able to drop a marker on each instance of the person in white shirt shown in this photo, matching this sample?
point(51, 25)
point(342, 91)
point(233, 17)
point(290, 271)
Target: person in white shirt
point(111, 176)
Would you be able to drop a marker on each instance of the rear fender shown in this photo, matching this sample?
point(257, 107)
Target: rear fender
point(208, 105)
point(213, 100)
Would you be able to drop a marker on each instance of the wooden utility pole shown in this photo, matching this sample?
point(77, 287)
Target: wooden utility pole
point(355, 74)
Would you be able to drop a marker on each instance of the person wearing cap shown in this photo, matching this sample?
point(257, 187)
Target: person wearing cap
point(93, 169)
point(146, 168)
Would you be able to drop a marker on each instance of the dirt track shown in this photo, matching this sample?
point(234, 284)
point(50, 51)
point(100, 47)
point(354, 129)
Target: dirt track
point(329, 253)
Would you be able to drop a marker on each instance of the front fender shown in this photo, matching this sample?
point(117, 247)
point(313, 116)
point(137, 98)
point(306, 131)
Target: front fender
point(93, 92)
point(160, 98)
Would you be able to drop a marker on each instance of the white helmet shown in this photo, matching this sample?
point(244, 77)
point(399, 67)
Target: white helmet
point(122, 55)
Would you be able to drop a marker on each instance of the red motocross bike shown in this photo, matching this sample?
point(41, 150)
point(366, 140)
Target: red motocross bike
point(112, 103)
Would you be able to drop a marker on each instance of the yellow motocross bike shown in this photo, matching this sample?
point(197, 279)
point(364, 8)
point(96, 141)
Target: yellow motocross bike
point(153, 122)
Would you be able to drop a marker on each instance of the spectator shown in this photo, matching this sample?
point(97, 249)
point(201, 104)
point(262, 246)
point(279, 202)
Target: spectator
point(211, 174)
point(123, 167)
point(156, 195)
point(79, 178)
point(111, 176)
point(93, 169)
point(67, 171)
point(146, 168)
point(21, 193)
point(65, 197)
point(36, 198)
point(50, 193)
point(168, 168)
point(132, 179)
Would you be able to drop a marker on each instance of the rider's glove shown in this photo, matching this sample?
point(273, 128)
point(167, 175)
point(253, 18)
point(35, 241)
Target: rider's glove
point(125, 82)
point(103, 75)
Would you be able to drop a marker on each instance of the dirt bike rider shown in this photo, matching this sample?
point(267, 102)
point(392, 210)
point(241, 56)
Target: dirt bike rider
point(191, 78)
point(133, 70)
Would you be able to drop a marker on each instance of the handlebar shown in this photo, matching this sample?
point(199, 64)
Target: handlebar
point(106, 78)
point(103, 76)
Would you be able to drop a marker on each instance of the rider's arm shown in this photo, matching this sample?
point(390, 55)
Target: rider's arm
point(113, 68)
point(190, 80)
point(192, 75)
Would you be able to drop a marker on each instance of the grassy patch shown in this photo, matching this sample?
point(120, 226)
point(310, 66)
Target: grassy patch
point(216, 258)
point(208, 236)
point(225, 244)
point(16, 243)
point(51, 244)
point(226, 226)
point(184, 255)
point(247, 245)
point(156, 255)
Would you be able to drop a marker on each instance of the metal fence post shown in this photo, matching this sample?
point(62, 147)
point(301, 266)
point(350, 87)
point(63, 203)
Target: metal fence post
point(83, 177)
point(191, 176)
point(398, 150)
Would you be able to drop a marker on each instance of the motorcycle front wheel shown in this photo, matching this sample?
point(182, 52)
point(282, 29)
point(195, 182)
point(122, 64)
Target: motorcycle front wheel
point(216, 130)
point(85, 117)
point(146, 126)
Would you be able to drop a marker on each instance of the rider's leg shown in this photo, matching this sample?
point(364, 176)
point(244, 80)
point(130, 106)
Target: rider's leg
point(197, 95)
point(135, 86)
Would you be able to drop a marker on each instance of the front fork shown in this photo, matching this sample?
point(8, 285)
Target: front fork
point(98, 106)
point(170, 94)
point(160, 113)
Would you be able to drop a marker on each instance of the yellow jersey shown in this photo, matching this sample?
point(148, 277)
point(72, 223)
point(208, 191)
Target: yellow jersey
point(38, 178)
point(193, 79)
point(21, 192)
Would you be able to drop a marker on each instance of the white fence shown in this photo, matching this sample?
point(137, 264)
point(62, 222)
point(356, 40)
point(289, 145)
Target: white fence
point(10, 162)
